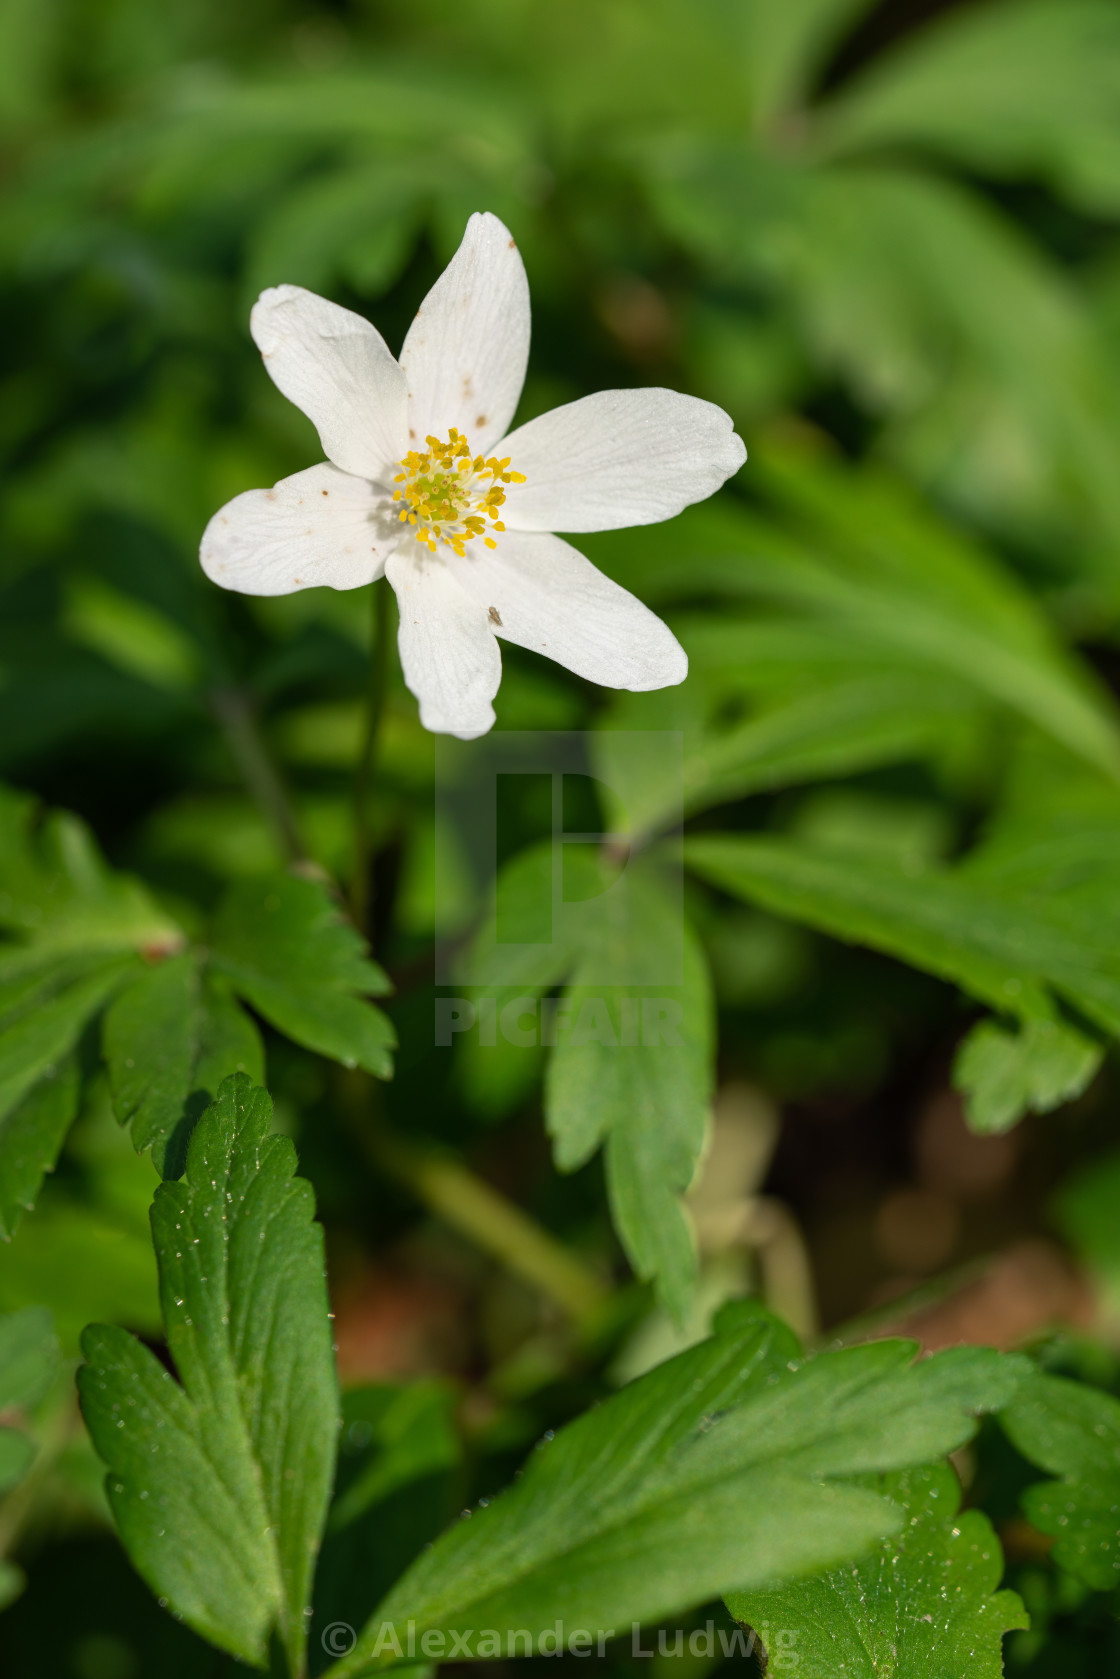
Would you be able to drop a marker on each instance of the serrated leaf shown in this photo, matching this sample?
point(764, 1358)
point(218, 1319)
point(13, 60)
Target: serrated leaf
point(636, 1510)
point(923, 1605)
point(30, 978)
point(287, 950)
point(882, 579)
point(219, 1482)
point(632, 1071)
point(58, 895)
point(75, 930)
point(922, 918)
point(170, 1039)
point(1006, 1074)
point(630, 1068)
point(1072, 1431)
point(826, 725)
point(31, 1137)
point(40, 1039)
point(523, 884)
point(1000, 947)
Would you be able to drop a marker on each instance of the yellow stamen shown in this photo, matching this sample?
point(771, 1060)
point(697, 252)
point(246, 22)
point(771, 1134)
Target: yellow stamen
point(449, 494)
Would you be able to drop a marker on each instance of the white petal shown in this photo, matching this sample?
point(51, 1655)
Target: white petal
point(618, 458)
point(318, 527)
point(466, 351)
point(336, 367)
point(450, 659)
point(552, 599)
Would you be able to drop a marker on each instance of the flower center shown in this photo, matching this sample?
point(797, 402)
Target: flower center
point(449, 494)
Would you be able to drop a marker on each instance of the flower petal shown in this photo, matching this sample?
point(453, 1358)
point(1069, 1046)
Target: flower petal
point(466, 351)
point(317, 527)
point(548, 597)
point(336, 367)
point(450, 659)
point(618, 458)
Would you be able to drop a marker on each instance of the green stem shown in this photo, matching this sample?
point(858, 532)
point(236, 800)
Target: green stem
point(361, 886)
point(478, 1211)
point(234, 713)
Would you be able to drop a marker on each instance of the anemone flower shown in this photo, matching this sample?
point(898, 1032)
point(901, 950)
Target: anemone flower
point(424, 484)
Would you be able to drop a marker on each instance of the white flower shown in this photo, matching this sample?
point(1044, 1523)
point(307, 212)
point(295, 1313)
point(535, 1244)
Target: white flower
point(423, 484)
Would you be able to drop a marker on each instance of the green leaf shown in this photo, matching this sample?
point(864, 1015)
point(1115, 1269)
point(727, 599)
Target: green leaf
point(1024, 90)
point(1004, 1075)
point(357, 223)
point(85, 1263)
point(75, 930)
point(925, 588)
point(1000, 948)
point(28, 1363)
point(58, 896)
point(16, 1457)
point(786, 45)
point(636, 1510)
point(630, 1068)
point(31, 1137)
point(40, 1039)
point(28, 1357)
point(170, 1039)
point(131, 634)
point(523, 884)
point(830, 727)
point(414, 1435)
point(1072, 1431)
point(933, 309)
point(965, 322)
point(923, 1605)
point(883, 583)
point(922, 918)
point(287, 950)
point(219, 1486)
point(632, 1071)
point(399, 1482)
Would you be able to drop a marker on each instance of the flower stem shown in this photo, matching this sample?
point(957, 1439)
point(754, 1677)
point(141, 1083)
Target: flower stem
point(478, 1211)
point(361, 885)
point(259, 773)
